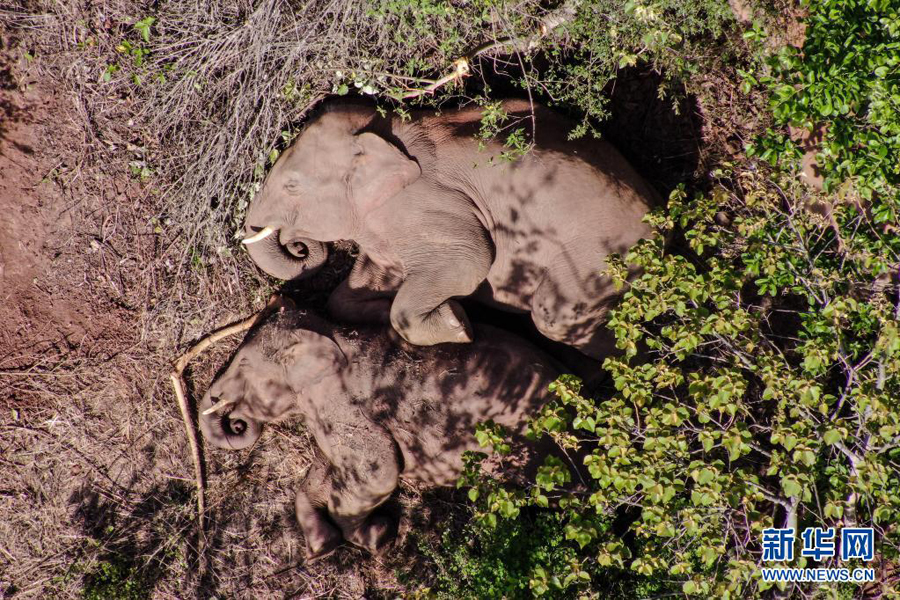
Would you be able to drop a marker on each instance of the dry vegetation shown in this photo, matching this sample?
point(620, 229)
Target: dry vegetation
point(152, 145)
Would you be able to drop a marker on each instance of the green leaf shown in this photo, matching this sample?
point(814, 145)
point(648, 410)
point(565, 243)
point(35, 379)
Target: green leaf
point(143, 27)
point(792, 488)
point(705, 476)
point(832, 436)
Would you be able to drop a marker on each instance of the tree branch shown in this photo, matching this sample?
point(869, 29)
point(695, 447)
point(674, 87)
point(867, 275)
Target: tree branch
point(176, 377)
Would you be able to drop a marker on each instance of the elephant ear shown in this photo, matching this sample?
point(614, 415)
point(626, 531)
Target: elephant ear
point(310, 358)
point(380, 170)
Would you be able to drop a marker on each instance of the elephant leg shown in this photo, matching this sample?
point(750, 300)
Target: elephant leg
point(365, 472)
point(366, 295)
point(572, 310)
point(322, 537)
point(424, 311)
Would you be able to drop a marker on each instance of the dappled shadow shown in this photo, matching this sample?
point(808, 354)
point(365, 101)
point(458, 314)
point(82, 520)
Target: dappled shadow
point(535, 231)
point(129, 557)
point(379, 408)
point(387, 408)
point(659, 133)
point(553, 216)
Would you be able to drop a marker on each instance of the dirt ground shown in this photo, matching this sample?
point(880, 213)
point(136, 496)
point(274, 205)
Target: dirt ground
point(41, 250)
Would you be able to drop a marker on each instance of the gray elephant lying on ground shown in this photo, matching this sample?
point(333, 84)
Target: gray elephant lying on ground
point(378, 410)
point(436, 218)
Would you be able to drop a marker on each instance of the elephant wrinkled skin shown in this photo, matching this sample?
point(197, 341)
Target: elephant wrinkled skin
point(378, 410)
point(436, 218)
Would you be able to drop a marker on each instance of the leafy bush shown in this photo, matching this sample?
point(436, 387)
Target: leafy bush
point(847, 77)
point(759, 384)
point(769, 397)
point(515, 559)
point(679, 38)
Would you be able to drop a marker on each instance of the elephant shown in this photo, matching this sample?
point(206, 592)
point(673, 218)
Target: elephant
point(438, 216)
point(378, 408)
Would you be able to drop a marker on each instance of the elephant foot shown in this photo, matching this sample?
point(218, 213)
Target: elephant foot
point(453, 314)
point(447, 324)
point(322, 538)
point(322, 544)
point(376, 534)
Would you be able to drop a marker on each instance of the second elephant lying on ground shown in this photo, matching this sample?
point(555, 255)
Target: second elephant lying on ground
point(377, 408)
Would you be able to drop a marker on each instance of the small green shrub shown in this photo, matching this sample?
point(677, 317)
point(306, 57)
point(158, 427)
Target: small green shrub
point(676, 37)
point(517, 559)
point(115, 579)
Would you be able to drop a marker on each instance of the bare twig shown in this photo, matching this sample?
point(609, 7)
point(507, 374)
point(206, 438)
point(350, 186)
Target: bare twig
point(462, 68)
point(176, 376)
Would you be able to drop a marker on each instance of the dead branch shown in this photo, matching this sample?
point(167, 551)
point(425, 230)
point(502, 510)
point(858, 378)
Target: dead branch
point(462, 65)
point(461, 69)
point(177, 379)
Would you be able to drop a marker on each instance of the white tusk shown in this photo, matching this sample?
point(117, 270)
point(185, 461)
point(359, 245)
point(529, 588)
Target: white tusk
point(217, 407)
point(260, 235)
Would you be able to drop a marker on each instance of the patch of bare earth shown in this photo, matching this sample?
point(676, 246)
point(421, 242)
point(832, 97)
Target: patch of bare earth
point(51, 304)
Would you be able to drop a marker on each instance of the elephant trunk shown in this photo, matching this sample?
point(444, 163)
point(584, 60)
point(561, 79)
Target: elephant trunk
point(230, 431)
point(285, 256)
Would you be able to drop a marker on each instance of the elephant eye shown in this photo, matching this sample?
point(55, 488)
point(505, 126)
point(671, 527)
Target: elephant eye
point(292, 187)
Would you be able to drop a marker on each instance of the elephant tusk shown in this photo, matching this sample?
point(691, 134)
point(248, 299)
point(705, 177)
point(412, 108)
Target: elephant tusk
point(260, 235)
point(218, 407)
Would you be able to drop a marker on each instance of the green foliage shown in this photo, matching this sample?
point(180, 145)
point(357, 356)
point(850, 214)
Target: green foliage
point(759, 383)
point(518, 559)
point(581, 55)
point(440, 26)
point(494, 122)
point(759, 387)
point(847, 78)
point(607, 35)
point(115, 579)
point(143, 27)
point(136, 53)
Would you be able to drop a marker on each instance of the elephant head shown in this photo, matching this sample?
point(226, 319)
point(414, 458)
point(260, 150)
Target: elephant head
point(321, 190)
point(279, 369)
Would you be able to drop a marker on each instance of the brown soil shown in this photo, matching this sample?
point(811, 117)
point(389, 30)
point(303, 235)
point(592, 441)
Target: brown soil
point(54, 301)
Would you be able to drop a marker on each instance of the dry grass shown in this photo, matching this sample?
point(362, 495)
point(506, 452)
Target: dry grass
point(89, 481)
point(225, 84)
